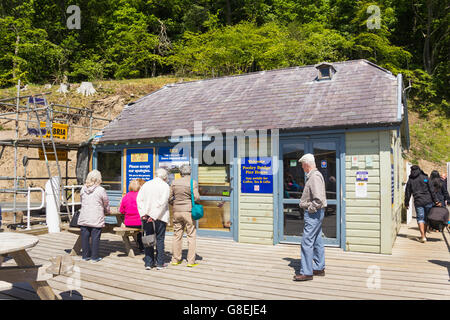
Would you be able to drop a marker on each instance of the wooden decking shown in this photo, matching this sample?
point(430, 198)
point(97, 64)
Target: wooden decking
point(230, 270)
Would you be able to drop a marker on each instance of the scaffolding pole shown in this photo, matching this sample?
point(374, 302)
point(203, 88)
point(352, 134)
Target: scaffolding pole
point(48, 112)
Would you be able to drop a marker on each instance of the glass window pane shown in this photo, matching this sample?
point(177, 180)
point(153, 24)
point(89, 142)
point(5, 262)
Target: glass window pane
point(216, 215)
point(109, 165)
point(293, 220)
point(214, 179)
point(294, 176)
point(325, 155)
point(329, 222)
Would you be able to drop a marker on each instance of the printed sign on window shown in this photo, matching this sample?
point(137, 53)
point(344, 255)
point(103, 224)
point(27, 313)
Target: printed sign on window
point(362, 175)
point(139, 165)
point(257, 175)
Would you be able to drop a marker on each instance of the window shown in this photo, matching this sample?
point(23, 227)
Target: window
point(325, 71)
point(214, 180)
point(109, 165)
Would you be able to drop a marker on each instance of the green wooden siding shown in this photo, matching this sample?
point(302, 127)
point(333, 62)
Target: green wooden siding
point(256, 222)
point(363, 214)
point(372, 223)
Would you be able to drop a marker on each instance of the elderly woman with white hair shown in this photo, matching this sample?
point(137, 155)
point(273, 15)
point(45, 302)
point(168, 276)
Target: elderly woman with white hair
point(94, 206)
point(153, 206)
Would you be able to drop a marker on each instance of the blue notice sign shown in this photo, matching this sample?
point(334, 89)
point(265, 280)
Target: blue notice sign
point(257, 175)
point(139, 164)
point(173, 155)
point(323, 164)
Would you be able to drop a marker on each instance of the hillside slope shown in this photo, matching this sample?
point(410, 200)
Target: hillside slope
point(430, 138)
point(108, 102)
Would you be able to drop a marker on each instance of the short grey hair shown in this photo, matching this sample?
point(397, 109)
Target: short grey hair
point(162, 174)
point(93, 178)
point(308, 159)
point(185, 170)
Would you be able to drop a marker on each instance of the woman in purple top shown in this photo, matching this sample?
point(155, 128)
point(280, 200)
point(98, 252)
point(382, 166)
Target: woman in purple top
point(128, 207)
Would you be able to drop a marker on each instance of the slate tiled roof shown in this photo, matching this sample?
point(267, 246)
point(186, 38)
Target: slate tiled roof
point(360, 94)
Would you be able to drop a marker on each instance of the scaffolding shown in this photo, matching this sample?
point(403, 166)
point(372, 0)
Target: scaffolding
point(41, 120)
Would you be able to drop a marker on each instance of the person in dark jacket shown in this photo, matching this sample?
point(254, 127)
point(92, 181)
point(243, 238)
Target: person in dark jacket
point(419, 188)
point(438, 189)
point(445, 184)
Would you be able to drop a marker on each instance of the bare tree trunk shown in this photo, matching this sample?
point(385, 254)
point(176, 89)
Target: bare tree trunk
point(16, 54)
point(228, 12)
point(426, 47)
point(154, 66)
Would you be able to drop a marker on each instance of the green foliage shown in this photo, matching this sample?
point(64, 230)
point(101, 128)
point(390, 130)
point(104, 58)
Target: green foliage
point(122, 39)
point(88, 70)
point(130, 47)
point(431, 139)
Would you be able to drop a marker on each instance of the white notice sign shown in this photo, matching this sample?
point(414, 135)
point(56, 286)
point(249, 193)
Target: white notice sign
point(361, 189)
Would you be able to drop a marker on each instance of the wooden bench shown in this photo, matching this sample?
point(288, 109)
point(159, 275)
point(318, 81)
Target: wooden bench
point(117, 229)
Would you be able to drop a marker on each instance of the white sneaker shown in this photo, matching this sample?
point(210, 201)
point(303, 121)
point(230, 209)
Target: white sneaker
point(423, 240)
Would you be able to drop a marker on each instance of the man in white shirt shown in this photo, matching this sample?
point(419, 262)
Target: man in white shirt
point(153, 205)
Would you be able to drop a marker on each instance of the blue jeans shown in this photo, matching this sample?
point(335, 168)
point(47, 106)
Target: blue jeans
point(422, 213)
point(149, 258)
point(312, 249)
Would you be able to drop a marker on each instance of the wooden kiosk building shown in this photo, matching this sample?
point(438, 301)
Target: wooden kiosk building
point(351, 115)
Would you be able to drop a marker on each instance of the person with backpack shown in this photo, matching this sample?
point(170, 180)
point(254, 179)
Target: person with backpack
point(438, 215)
point(419, 188)
point(438, 189)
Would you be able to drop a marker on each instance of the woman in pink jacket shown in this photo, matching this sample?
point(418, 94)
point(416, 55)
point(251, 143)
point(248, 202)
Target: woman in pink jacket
point(128, 207)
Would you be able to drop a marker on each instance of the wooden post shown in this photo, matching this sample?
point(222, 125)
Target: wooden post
point(129, 251)
point(43, 290)
point(385, 193)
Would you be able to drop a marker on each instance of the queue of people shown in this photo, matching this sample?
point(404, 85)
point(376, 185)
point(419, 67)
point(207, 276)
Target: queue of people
point(145, 207)
point(428, 192)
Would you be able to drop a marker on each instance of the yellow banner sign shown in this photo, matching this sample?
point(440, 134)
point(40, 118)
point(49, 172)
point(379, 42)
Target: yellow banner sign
point(139, 157)
point(62, 155)
point(59, 130)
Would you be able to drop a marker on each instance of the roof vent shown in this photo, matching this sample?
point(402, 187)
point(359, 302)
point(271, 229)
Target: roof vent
point(325, 71)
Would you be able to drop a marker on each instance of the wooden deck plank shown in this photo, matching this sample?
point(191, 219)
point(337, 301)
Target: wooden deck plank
point(328, 264)
point(416, 296)
point(418, 274)
point(230, 270)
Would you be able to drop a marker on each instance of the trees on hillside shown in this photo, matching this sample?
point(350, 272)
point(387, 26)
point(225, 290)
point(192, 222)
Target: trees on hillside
point(142, 38)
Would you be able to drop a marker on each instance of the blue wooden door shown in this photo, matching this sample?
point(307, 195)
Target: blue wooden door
point(327, 153)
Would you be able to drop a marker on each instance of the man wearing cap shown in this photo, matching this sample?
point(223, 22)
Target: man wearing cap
point(313, 201)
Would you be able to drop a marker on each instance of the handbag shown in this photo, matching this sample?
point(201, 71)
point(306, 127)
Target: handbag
point(148, 240)
point(74, 222)
point(197, 209)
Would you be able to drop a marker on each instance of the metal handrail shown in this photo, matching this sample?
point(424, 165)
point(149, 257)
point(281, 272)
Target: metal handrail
point(73, 203)
point(29, 204)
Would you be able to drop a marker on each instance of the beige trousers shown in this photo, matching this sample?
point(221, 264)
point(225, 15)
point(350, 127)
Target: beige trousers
point(182, 220)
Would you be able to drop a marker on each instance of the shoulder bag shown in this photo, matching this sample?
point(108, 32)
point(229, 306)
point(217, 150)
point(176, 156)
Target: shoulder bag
point(148, 240)
point(197, 209)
